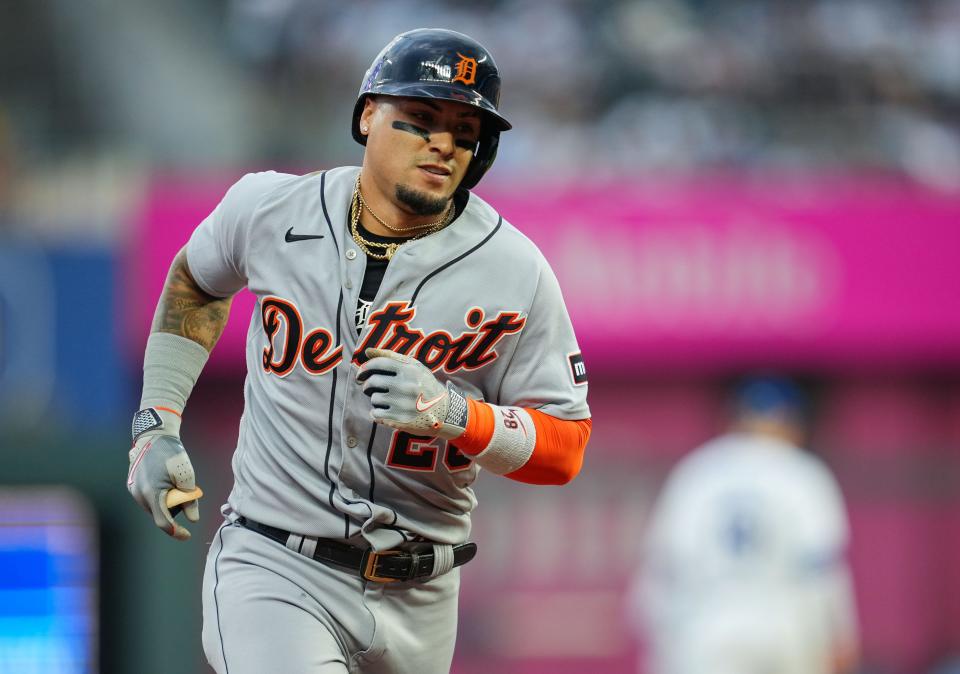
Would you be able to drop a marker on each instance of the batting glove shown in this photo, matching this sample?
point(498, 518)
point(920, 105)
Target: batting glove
point(159, 463)
point(406, 396)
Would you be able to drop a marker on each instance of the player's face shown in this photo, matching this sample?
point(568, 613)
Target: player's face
point(420, 146)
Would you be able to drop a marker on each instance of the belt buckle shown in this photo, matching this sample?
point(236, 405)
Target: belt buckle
point(370, 566)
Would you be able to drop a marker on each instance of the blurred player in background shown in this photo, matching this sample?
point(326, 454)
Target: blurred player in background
point(744, 569)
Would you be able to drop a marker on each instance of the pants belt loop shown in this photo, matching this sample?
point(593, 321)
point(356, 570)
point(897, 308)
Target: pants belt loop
point(442, 560)
point(309, 546)
point(294, 541)
point(229, 513)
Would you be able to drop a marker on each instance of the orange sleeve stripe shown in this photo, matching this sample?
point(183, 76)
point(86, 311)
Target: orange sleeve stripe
point(167, 409)
point(479, 428)
point(558, 455)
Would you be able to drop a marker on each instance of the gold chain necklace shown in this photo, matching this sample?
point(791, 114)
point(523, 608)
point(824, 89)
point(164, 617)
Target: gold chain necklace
point(442, 222)
point(387, 250)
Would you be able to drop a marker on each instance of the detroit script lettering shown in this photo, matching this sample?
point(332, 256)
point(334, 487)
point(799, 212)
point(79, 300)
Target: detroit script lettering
point(390, 328)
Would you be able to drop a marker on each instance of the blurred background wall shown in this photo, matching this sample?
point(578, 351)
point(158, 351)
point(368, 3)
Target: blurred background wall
point(722, 188)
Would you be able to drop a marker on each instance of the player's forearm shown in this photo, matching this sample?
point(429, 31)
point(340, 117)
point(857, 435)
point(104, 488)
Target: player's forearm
point(186, 326)
point(558, 454)
point(841, 615)
point(186, 310)
point(525, 445)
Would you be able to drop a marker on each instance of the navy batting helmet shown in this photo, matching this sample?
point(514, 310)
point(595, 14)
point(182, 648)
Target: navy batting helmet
point(440, 64)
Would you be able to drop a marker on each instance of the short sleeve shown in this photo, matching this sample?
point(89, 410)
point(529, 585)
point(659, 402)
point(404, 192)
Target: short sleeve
point(217, 250)
point(823, 528)
point(838, 526)
point(547, 372)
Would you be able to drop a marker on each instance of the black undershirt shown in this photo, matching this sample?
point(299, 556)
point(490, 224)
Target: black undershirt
point(373, 276)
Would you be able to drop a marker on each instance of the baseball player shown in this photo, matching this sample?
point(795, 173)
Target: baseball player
point(744, 569)
point(405, 336)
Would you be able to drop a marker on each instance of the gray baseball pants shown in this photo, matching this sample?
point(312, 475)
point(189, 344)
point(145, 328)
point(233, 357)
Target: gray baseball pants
point(269, 609)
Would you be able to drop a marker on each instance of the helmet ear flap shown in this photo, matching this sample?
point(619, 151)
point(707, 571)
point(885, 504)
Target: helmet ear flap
point(483, 157)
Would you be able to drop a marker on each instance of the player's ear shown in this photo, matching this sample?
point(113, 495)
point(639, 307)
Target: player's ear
point(370, 106)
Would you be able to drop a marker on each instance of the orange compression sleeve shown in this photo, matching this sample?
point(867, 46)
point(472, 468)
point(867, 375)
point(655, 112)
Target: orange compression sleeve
point(557, 454)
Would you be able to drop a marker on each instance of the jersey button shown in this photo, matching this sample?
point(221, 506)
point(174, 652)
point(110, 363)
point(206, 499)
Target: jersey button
point(351, 253)
point(348, 284)
point(351, 441)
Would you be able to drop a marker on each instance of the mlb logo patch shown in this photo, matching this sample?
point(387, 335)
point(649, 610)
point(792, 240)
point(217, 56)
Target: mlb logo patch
point(578, 370)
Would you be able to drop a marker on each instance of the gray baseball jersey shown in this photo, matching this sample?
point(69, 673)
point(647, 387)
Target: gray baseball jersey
point(476, 302)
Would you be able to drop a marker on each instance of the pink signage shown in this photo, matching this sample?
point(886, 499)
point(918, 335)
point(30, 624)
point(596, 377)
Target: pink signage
point(709, 273)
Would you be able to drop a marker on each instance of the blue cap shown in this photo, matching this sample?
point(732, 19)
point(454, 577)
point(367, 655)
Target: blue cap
point(769, 396)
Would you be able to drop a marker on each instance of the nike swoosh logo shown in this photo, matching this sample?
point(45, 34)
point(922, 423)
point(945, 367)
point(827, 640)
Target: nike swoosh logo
point(291, 237)
point(424, 405)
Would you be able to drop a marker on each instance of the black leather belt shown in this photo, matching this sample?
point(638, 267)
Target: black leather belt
point(388, 566)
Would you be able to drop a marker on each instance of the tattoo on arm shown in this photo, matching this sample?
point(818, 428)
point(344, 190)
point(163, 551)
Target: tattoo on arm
point(185, 309)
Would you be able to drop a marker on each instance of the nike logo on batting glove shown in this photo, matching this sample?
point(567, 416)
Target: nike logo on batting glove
point(424, 405)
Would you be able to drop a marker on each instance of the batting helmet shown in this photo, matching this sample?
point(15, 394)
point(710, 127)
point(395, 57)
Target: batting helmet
point(440, 64)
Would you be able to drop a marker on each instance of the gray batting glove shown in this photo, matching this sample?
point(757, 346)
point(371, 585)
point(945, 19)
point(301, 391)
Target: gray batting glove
point(406, 396)
point(159, 463)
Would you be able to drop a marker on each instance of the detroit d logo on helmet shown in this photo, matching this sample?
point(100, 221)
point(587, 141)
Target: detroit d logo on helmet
point(466, 70)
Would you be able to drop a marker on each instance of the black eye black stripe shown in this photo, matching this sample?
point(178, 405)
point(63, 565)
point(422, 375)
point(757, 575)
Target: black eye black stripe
point(412, 128)
point(423, 133)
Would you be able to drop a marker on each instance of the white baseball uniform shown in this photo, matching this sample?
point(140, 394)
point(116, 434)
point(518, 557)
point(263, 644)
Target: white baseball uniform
point(744, 567)
point(476, 302)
